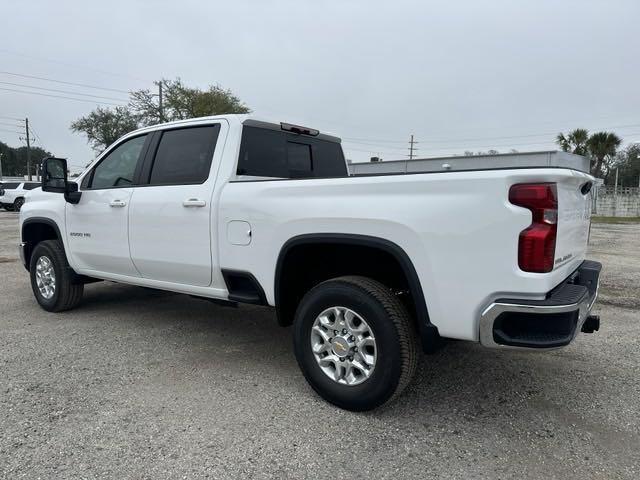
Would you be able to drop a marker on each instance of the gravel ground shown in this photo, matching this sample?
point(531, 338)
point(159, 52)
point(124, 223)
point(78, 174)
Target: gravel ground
point(137, 383)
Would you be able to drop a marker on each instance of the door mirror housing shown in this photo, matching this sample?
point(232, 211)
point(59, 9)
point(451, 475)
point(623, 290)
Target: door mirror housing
point(54, 179)
point(54, 175)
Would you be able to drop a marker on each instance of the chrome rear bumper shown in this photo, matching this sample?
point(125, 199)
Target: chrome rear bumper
point(543, 324)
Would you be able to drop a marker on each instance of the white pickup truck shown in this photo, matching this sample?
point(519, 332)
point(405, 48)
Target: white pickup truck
point(369, 269)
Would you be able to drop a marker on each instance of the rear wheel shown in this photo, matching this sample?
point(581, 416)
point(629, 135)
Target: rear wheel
point(17, 204)
point(52, 278)
point(355, 342)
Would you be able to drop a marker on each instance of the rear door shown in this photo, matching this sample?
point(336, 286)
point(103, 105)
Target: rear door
point(170, 218)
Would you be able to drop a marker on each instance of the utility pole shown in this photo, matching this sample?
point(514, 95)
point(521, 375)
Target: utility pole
point(160, 107)
point(26, 127)
point(412, 148)
point(1, 154)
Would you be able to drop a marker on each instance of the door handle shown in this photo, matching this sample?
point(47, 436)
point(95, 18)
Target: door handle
point(117, 203)
point(194, 202)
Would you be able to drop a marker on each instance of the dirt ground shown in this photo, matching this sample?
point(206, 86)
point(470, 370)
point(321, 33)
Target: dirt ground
point(137, 383)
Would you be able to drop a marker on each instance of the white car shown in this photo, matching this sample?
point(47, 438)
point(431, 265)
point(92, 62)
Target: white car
point(369, 269)
point(12, 194)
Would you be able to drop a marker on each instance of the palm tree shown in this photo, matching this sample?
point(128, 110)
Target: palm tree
point(602, 146)
point(575, 141)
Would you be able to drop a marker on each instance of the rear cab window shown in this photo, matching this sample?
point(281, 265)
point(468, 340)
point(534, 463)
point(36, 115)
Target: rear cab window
point(9, 186)
point(275, 153)
point(30, 186)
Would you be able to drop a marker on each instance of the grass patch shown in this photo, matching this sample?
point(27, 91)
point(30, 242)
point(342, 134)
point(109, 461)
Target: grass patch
point(595, 219)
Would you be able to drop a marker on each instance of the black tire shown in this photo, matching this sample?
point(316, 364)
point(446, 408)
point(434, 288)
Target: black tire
point(8, 208)
point(394, 331)
point(17, 204)
point(66, 294)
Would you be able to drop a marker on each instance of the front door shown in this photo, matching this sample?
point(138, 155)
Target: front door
point(170, 224)
point(97, 227)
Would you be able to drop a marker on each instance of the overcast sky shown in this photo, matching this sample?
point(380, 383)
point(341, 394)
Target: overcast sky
point(459, 75)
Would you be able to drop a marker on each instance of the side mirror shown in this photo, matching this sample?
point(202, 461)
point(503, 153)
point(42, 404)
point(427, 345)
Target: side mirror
point(54, 175)
point(54, 179)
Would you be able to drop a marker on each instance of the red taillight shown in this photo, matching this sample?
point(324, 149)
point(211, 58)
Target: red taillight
point(537, 244)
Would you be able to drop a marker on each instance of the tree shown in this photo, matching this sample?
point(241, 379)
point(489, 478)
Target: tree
point(627, 162)
point(574, 142)
point(103, 126)
point(14, 160)
point(602, 148)
point(181, 102)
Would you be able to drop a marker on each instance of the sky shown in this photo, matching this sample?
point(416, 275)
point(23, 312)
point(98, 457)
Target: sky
point(458, 75)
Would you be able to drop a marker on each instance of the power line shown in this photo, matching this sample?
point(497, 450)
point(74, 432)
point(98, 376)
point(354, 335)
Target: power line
point(384, 147)
point(379, 150)
point(9, 124)
point(372, 151)
point(365, 141)
point(12, 118)
point(74, 65)
point(359, 140)
point(36, 136)
point(376, 150)
point(63, 82)
point(518, 136)
point(60, 96)
point(11, 131)
point(61, 91)
point(455, 143)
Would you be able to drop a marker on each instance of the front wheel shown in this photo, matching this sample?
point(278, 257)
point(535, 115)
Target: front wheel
point(52, 278)
point(355, 342)
point(17, 205)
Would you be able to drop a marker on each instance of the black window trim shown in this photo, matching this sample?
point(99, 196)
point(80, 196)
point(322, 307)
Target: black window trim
point(150, 155)
point(88, 178)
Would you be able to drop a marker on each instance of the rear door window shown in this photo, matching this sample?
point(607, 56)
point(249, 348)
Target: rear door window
point(184, 156)
point(273, 153)
point(30, 186)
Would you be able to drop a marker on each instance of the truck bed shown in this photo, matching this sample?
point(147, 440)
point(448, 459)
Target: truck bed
point(543, 159)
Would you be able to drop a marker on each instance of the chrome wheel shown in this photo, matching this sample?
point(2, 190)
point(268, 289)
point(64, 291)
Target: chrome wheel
point(344, 346)
point(45, 277)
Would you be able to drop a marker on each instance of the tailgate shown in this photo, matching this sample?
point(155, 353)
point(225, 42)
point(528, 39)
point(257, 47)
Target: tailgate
point(574, 219)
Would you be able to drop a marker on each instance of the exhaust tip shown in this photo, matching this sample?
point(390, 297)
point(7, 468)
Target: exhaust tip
point(591, 324)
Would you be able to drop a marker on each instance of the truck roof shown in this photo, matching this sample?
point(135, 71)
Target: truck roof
point(245, 119)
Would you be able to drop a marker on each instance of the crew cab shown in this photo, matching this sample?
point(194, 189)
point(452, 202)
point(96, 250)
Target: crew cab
point(12, 194)
point(370, 270)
